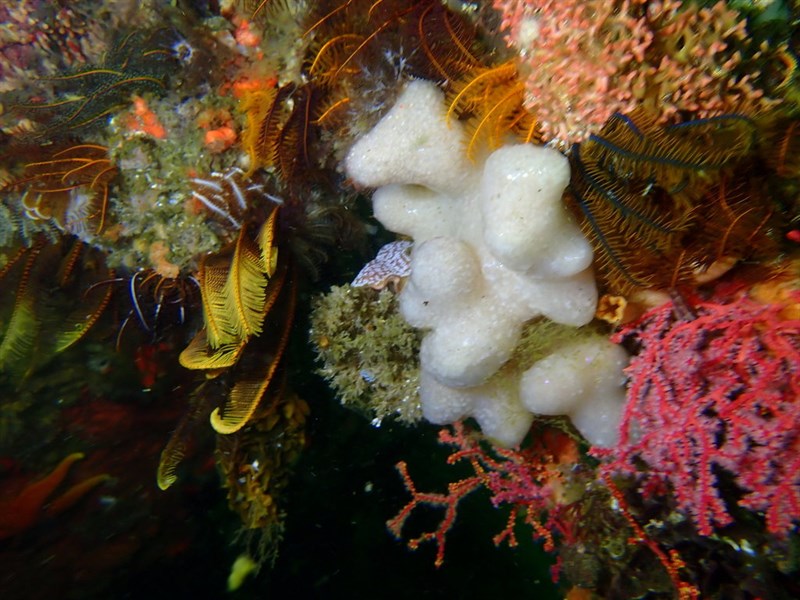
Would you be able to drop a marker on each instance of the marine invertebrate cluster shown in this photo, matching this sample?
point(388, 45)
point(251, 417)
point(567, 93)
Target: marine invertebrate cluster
point(38, 39)
point(267, 135)
point(490, 100)
point(116, 151)
point(584, 61)
point(133, 64)
point(256, 464)
point(69, 188)
point(239, 292)
point(487, 313)
point(144, 121)
point(45, 315)
point(361, 49)
point(157, 299)
point(531, 481)
point(714, 388)
point(225, 196)
point(369, 353)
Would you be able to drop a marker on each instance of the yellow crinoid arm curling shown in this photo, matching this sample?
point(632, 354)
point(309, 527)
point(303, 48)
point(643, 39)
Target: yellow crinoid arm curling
point(245, 289)
point(248, 392)
point(491, 101)
point(199, 354)
point(266, 242)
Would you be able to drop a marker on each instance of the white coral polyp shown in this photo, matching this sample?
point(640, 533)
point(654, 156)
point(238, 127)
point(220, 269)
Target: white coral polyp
point(494, 247)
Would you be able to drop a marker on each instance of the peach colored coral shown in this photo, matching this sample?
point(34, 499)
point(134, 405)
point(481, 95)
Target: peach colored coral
point(245, 35)
point(584, 60)
point(158, 258)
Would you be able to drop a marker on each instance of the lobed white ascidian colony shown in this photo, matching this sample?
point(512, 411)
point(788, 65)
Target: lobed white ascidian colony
point(493, 248)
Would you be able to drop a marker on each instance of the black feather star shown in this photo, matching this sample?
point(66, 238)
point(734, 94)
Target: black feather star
point(646, 193)
point(136, 63)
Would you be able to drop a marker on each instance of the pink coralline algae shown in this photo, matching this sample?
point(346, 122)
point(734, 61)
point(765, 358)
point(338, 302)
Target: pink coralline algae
point(715, 388)
point(584, 60)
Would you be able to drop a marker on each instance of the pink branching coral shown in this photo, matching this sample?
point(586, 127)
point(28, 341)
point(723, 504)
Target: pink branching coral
point(587, 59)
point(529, 480)
point(716, 385)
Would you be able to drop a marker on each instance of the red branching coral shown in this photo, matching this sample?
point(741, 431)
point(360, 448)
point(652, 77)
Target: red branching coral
point(716, 386)
point(529, 480)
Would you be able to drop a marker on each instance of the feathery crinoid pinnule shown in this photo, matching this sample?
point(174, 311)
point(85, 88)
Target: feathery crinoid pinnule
point(491, 100)
point(70, 188)
point(661, 204)
point(44, 316)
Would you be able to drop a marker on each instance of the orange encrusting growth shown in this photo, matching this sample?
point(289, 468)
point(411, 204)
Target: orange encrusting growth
point(144, 121)
point(219, 139)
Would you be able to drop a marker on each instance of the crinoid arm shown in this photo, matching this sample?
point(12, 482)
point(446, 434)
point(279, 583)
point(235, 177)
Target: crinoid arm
point(44, 318)
point(259, 365)
point(491, 101)
point(177, 446)
point(661, 204)
point(70, 188)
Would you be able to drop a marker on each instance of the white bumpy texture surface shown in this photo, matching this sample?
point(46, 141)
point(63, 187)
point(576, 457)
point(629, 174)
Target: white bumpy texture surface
point(493, 248)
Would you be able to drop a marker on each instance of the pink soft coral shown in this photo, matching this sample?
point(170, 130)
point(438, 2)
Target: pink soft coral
point(716, 385)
